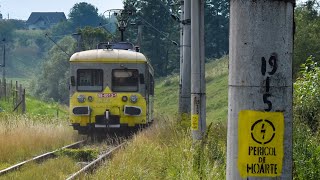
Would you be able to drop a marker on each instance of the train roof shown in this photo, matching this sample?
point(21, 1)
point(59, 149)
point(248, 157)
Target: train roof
point(108, 56)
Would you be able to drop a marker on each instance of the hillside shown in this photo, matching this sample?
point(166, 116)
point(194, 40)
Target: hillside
point(167, 91)
point(166, 149)
point(25, 52)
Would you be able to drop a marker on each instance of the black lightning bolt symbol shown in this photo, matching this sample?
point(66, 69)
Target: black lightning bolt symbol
point(263, 131)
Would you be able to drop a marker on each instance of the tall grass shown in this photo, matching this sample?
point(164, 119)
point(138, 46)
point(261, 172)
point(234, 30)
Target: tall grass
point(166, 151)
point(167, 92)
point(22, 137)
point(306, 136)
point(36, 108)
point(306, 151)
point(53, 169)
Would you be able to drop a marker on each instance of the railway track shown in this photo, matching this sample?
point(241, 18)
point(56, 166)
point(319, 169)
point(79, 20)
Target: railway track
point(90, 166)
point(40, 157)
point(94, 164)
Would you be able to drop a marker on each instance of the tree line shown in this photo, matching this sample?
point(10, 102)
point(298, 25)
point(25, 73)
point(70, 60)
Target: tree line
point(160, 39)
point(161, 32)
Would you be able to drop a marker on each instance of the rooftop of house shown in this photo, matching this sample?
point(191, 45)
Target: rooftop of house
point(51, 17)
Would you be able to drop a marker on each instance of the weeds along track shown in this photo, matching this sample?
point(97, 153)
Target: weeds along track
point(94, 164)
point(41, 157)
point(86, 155)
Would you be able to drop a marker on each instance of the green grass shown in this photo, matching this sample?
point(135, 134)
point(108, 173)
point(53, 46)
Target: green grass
point(54, 169)
point(52, 109)
point(43, 128)
point(23, 81)
point(36, 107)
point(79, 154)
point(22, 136)
point(167, 91)
point(166, 150)
point(306, 151)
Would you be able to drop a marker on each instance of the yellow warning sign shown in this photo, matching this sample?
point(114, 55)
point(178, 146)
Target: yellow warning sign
point(260, 143)
point(194, 121)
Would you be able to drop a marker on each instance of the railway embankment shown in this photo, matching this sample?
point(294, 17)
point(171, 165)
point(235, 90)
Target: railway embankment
point(165, 150)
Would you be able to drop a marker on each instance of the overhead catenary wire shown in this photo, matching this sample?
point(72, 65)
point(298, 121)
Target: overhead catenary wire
point(57, 45)
point(166, 35)
point(103, 27)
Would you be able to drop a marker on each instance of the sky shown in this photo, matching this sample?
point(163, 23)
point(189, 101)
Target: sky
point(21, 9)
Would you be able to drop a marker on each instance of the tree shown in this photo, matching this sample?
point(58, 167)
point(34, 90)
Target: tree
point(91, 37)
point(216, 28)
point(63, 28)
point(307, 34)
point(51, 83)
point(6, 29)
point(159, 30)
point(83, 14)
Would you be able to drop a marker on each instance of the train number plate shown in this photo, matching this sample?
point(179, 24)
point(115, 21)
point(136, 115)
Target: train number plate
point(107, 95)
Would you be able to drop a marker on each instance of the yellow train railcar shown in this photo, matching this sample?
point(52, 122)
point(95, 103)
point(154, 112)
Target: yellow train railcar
point(111, 88)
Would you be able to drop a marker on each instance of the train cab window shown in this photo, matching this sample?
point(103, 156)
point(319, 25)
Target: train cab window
point(126, 80)
point(89, 80)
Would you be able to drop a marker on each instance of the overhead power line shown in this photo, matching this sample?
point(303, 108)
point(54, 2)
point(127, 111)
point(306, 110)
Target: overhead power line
point(57, 45)
point(166, 35)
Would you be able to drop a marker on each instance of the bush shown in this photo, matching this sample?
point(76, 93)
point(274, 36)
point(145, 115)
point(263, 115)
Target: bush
point(306, 152)
point(79, 154)
point(307, 94)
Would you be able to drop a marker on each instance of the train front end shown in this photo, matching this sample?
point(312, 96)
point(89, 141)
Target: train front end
point(110, 89)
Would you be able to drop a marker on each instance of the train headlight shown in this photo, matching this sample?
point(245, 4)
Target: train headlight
point(90, 98)
point(81, 98)
point(133, 98)
point(124, 98)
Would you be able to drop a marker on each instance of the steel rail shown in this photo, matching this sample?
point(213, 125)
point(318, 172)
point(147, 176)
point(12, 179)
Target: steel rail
point(94, 163)
point(40, 157)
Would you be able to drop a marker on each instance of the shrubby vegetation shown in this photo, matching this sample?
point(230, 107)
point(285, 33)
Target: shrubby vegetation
point(306, 43)
point(306, 121)
point(169, 142)
point(24, 136)
point(159, 30)
point(51, 83)
point(166, 150)
point(307, 94)
point(306, 151)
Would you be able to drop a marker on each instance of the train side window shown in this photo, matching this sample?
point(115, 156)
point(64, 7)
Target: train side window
point(141, 78)
point(73, 81)
point(151, 85)
point(89, 80)
point(125, 80)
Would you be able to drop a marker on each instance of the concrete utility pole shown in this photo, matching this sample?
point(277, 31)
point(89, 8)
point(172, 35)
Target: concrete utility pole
point(140, 27)
point(260, 90)
point(186, 66)
point(181, 57)
point(198, 83)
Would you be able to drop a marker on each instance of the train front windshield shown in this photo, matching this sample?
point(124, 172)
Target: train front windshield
point(125, 80)
point(90, 80)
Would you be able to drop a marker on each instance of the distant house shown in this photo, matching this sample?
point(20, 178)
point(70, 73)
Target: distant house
point(44, 20)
